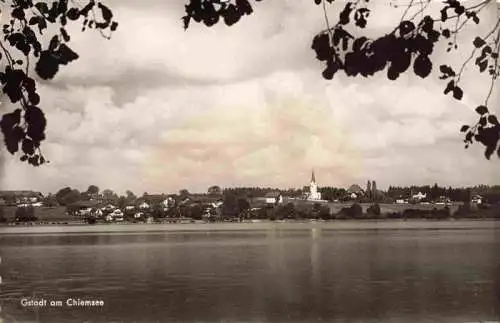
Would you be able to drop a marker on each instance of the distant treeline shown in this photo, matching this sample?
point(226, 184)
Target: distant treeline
point(462, 194)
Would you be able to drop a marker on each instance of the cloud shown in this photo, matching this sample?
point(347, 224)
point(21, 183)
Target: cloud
point(158, 109)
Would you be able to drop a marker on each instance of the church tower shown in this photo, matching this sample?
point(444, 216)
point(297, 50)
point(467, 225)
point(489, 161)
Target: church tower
point(313, 189)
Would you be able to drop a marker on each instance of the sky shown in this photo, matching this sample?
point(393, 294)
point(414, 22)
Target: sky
point(157, 109)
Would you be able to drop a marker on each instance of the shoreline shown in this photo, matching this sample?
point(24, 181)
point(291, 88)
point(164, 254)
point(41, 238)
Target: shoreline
point(333, 225)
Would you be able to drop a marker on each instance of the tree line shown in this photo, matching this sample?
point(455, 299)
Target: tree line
point(68, 195)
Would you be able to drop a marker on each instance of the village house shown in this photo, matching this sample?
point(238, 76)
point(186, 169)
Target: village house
point(85, 208)
point(273, 197)
point(477, 199)
point(419, 196)
point(355, 191)
point(401, 200)
point(20, 197)
point(442, 200)
point(144, 206)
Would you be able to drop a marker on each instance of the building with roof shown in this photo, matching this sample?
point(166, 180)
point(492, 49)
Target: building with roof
point(355, 191)
point(313, 195)
point(17, 197)
point(477, 199)
point(273, 197)
point(419, 196)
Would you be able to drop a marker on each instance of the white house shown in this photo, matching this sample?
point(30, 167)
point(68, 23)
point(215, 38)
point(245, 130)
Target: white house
point(168, 202)
point(477, 199)
point(419, 196)
point(273, 197)
point(117, 215)
point(354, 191)
point(144, 206)
point(217, 204)
point(401, 201)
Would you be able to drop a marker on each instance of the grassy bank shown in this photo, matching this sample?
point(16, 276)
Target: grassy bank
point(393, 208)
point(43, 214)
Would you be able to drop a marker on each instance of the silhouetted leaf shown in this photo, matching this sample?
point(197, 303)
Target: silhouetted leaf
point(458, 93)
point(493, 120)
point(64, 34)
point(12, 139)
point(478, 42)
point(344, 15)
point(113, 26)
point(482, 66)
point(42, 7)
point(490, 149)
point(444, 15)
point(321, 45)
point(406, 27)
point(65, 54)
point(85, 10)
point(18, 13)
point(482, 110)
point(468, 136)
point(9, 120)
point(27, 146)
point(447, 70)
point(230, 15)
point(54, 42)
point(459, 10)
point(36, 124)
point(360, 17)
point(244, 7)
point(47, 66)
point(422, 66)
point(107, 15)
point(73, 14)
point(34, 98)
point(486, 50)
point(42, 25)
point(464, 128)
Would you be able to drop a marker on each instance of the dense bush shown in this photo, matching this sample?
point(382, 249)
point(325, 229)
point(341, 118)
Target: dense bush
point(355, 211)
point(25, 214)
point(374, 209)
point(3, 219)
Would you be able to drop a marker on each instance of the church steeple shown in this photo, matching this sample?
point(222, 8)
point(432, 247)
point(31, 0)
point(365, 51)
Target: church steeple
point(313, 178)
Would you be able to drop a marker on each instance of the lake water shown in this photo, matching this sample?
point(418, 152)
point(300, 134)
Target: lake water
point(391, 271)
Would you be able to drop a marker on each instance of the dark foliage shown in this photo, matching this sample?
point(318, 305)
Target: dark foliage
point(3, 219)
point(25, 214)
point(374, 209)
point(93, 189)
point(24, 128)
point(354, 211)
point(67, 196)
point(408, 46)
